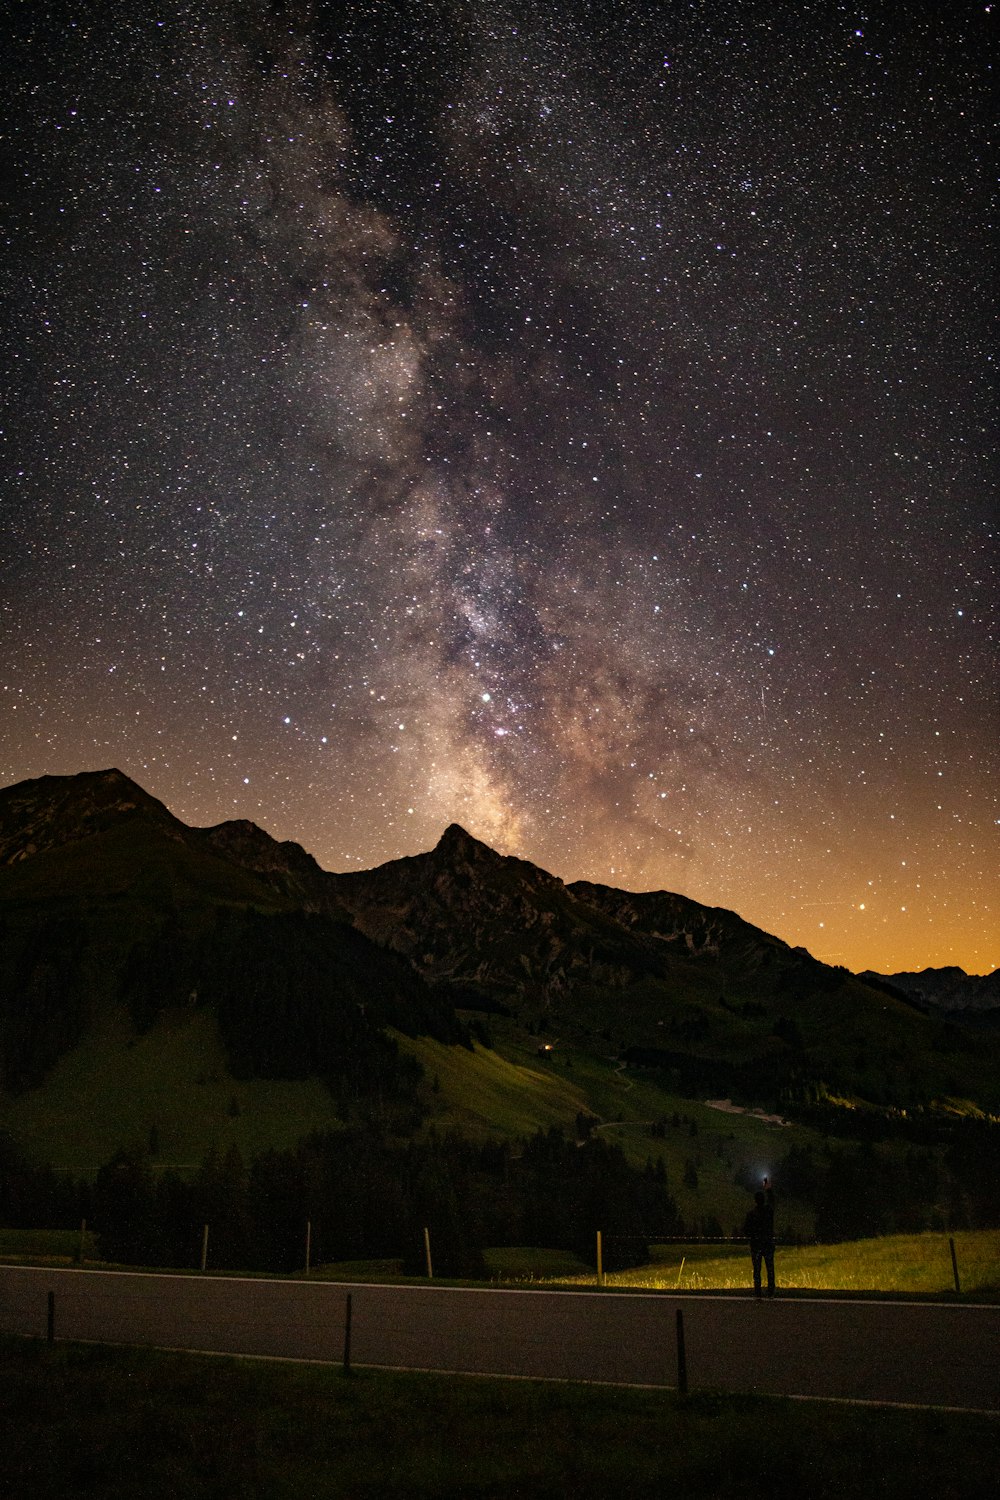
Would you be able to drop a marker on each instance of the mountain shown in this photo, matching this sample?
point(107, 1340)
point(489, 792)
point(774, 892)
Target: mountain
point(947, 989)
point(693, 994)
point(501, 932)
point(111, 905)
point(53, 811)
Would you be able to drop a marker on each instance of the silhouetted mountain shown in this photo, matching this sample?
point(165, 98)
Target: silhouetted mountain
point(286, 867)
point(694, 992)
point(47, 813)
point(108, 898)
point(948, 989)
point(469, 916)
point(465, 914)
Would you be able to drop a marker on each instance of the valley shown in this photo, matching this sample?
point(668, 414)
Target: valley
point(173, 997)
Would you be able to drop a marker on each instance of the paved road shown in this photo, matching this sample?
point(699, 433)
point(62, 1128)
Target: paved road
point(927, 1354)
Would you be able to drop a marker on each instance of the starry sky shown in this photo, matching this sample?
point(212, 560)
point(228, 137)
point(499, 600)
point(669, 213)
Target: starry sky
point(573, 420)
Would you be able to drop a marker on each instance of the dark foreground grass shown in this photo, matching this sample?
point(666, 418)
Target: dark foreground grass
point(92, 1421)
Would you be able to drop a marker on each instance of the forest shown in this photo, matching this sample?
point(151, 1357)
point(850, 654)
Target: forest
point(369, 1197)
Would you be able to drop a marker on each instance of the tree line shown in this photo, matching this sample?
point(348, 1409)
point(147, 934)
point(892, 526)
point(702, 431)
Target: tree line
point(366, 1198)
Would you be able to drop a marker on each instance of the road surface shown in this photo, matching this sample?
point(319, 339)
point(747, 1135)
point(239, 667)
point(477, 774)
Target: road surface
point(927, 1354)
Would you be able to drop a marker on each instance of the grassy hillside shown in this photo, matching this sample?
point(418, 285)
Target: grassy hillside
point(631, 1109)
point(907, 1263)
point(116, 1088)
point(172, 1089)
point(483, 1094)
point(125, 870)
point(72, 916)
point(918, 1264)
point(174, 990)
point(714, 1004)
point(139, 924)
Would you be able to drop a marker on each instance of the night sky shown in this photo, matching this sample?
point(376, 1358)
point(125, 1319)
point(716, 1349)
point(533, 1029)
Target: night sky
point(573, 421)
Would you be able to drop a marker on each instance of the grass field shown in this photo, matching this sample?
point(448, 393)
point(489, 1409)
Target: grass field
point(918, 1264)
point(630, 1104)
point(115, 1423)
point(510, 1090)
point(114, 1088)
point(60, 1246)
point(484, 1094)
point(173, 1085)
point(896, 1263)
point(520, 1263)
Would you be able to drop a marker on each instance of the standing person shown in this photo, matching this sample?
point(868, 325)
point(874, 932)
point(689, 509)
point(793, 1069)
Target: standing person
point(758, 1227)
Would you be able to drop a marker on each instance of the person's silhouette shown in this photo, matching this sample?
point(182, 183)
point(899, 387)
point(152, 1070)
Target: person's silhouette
point(758, 1227)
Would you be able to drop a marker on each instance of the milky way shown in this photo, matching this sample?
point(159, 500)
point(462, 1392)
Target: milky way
point(570, 421)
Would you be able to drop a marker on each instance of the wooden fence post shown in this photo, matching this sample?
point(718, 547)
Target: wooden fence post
point(308, 1244)
point(954, 1263)
point(600, 1260)
point(347, 1336)
point(204, 1246)
point(427, 1254)
point(682, 1369)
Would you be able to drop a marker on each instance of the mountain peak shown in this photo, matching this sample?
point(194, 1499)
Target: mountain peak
point(458, 845)
point(111, 777)
point(251, 846)
point(49, 811)
point(457, 837)
point(946, 989)
point(110, 781)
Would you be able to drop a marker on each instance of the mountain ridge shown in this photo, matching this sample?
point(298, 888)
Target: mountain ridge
point(692, 991)
point(948, 989)
point(51, 811)
point(48, 811)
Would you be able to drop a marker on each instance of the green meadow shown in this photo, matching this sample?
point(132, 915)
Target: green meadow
point(896, 1264)
point(917, 1264)
point(629, 1109)
point(171, 1085)
point(484, 1094)
point(116, 1088)
point(169, 1092)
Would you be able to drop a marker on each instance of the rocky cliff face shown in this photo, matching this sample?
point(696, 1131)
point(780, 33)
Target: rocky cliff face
point(702, 931)
point(459, 912)
point(465, 914)
point(56, 810)
point(463, 911)
point(286, 866)
point(462, 914)
point(946, 989)
point(110, 905)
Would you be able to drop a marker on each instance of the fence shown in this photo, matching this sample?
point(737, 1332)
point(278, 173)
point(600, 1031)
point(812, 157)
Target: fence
point(928, 1354)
